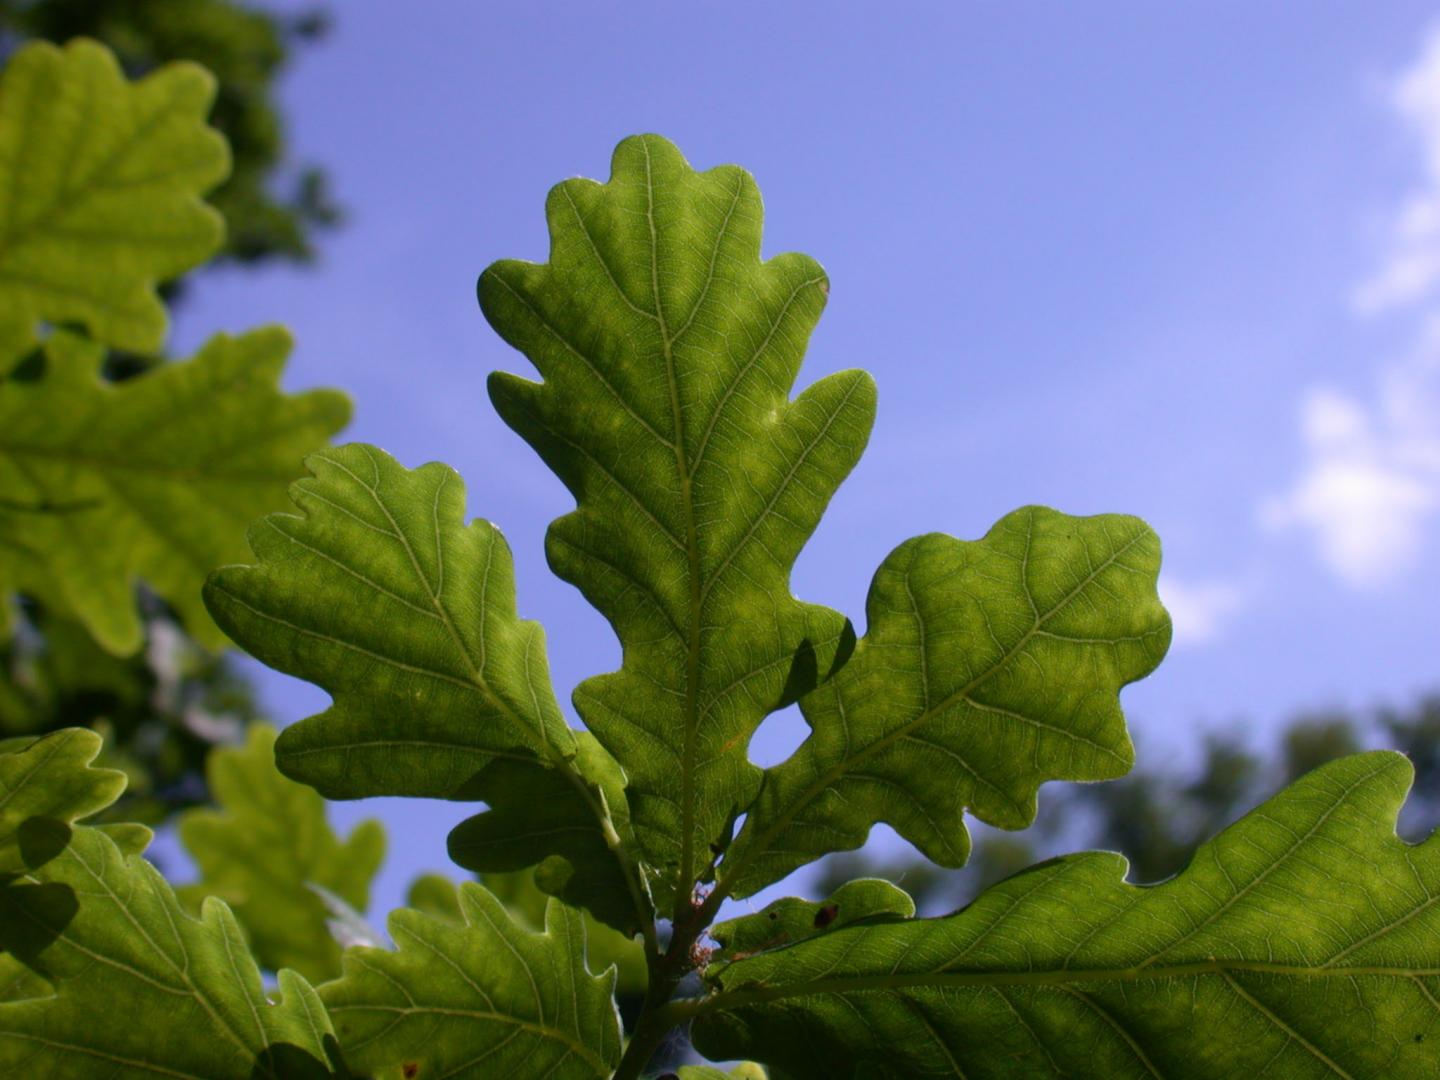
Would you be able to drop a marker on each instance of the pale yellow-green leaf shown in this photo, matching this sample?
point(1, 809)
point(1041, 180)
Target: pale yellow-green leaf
point(100, 185)
point(153, 479)
point(46, 784)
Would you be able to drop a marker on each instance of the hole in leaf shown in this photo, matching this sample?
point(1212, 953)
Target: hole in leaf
point(778, 736)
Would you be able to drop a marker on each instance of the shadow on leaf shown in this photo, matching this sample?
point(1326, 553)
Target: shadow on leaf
point(286, 1061)
point(41, 839)
point(32, 916)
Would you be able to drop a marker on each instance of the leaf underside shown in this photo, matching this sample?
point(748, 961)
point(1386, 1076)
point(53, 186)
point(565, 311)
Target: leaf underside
point(988, 667)
point(102, 484)
point(788, 920)
point(479, 1000)
point(538, 817)
point(380, 593)
point(526, 903)
point(102, 182)
point(107, 931)
point(1300, 942)
point(668, 351)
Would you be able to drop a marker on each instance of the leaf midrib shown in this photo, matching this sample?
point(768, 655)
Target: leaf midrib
point(477, 682)
point(692, 562)
point(698, 587)
point(477, 676)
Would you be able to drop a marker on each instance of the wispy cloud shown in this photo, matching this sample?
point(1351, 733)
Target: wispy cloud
point(1370, 486)
point(1200, 610)
point(1411, 268)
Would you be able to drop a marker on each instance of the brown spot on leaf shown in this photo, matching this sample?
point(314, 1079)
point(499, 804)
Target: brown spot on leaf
point(410, 1070)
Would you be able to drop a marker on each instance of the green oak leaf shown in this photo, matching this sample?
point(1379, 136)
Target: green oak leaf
point(604, 946)
point(380, 593)
point(103, 483)
point(263, 847)
point(790, 919)
point(435, 895)
point(668, 351)
point(538, 818)
point(479, 1000)
point(102, 182)
point(439, 897)
point(130, 838)
point(746, 1070)
point(988, 668)
point(1302, 941)
point(47, 783)
point(142, 988)
point(18, 982)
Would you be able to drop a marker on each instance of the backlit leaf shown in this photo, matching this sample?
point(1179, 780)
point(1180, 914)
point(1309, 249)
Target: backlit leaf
point(1303, 941)
point(101, 484)
point(538, 818)
point(604, 946)
point(746, 1070)
point(788, 920)
point(988, 668)
point(435, 895)
point(668, 351)
point(101, 183)
point(46, 784)
point(18, 982)
point(380, 593)
point(476, 1001)
point(142, 988)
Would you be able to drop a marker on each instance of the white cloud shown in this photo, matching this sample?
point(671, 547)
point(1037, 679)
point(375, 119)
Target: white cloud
point(1364, 494)
point(1371, 482)
point(1411, 270)
point(1199, 609)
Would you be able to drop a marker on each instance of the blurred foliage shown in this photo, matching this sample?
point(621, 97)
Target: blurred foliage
point(271, 212)
point(1157, 818)
point(161, 710)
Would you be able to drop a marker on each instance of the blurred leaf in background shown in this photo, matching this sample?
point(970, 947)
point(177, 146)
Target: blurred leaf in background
point(161, 709)
point(272, 208)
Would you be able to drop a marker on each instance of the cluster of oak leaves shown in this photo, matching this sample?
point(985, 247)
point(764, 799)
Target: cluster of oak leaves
point(1302, 941)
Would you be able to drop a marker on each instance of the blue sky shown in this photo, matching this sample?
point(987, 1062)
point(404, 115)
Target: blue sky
point(1178, 262)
